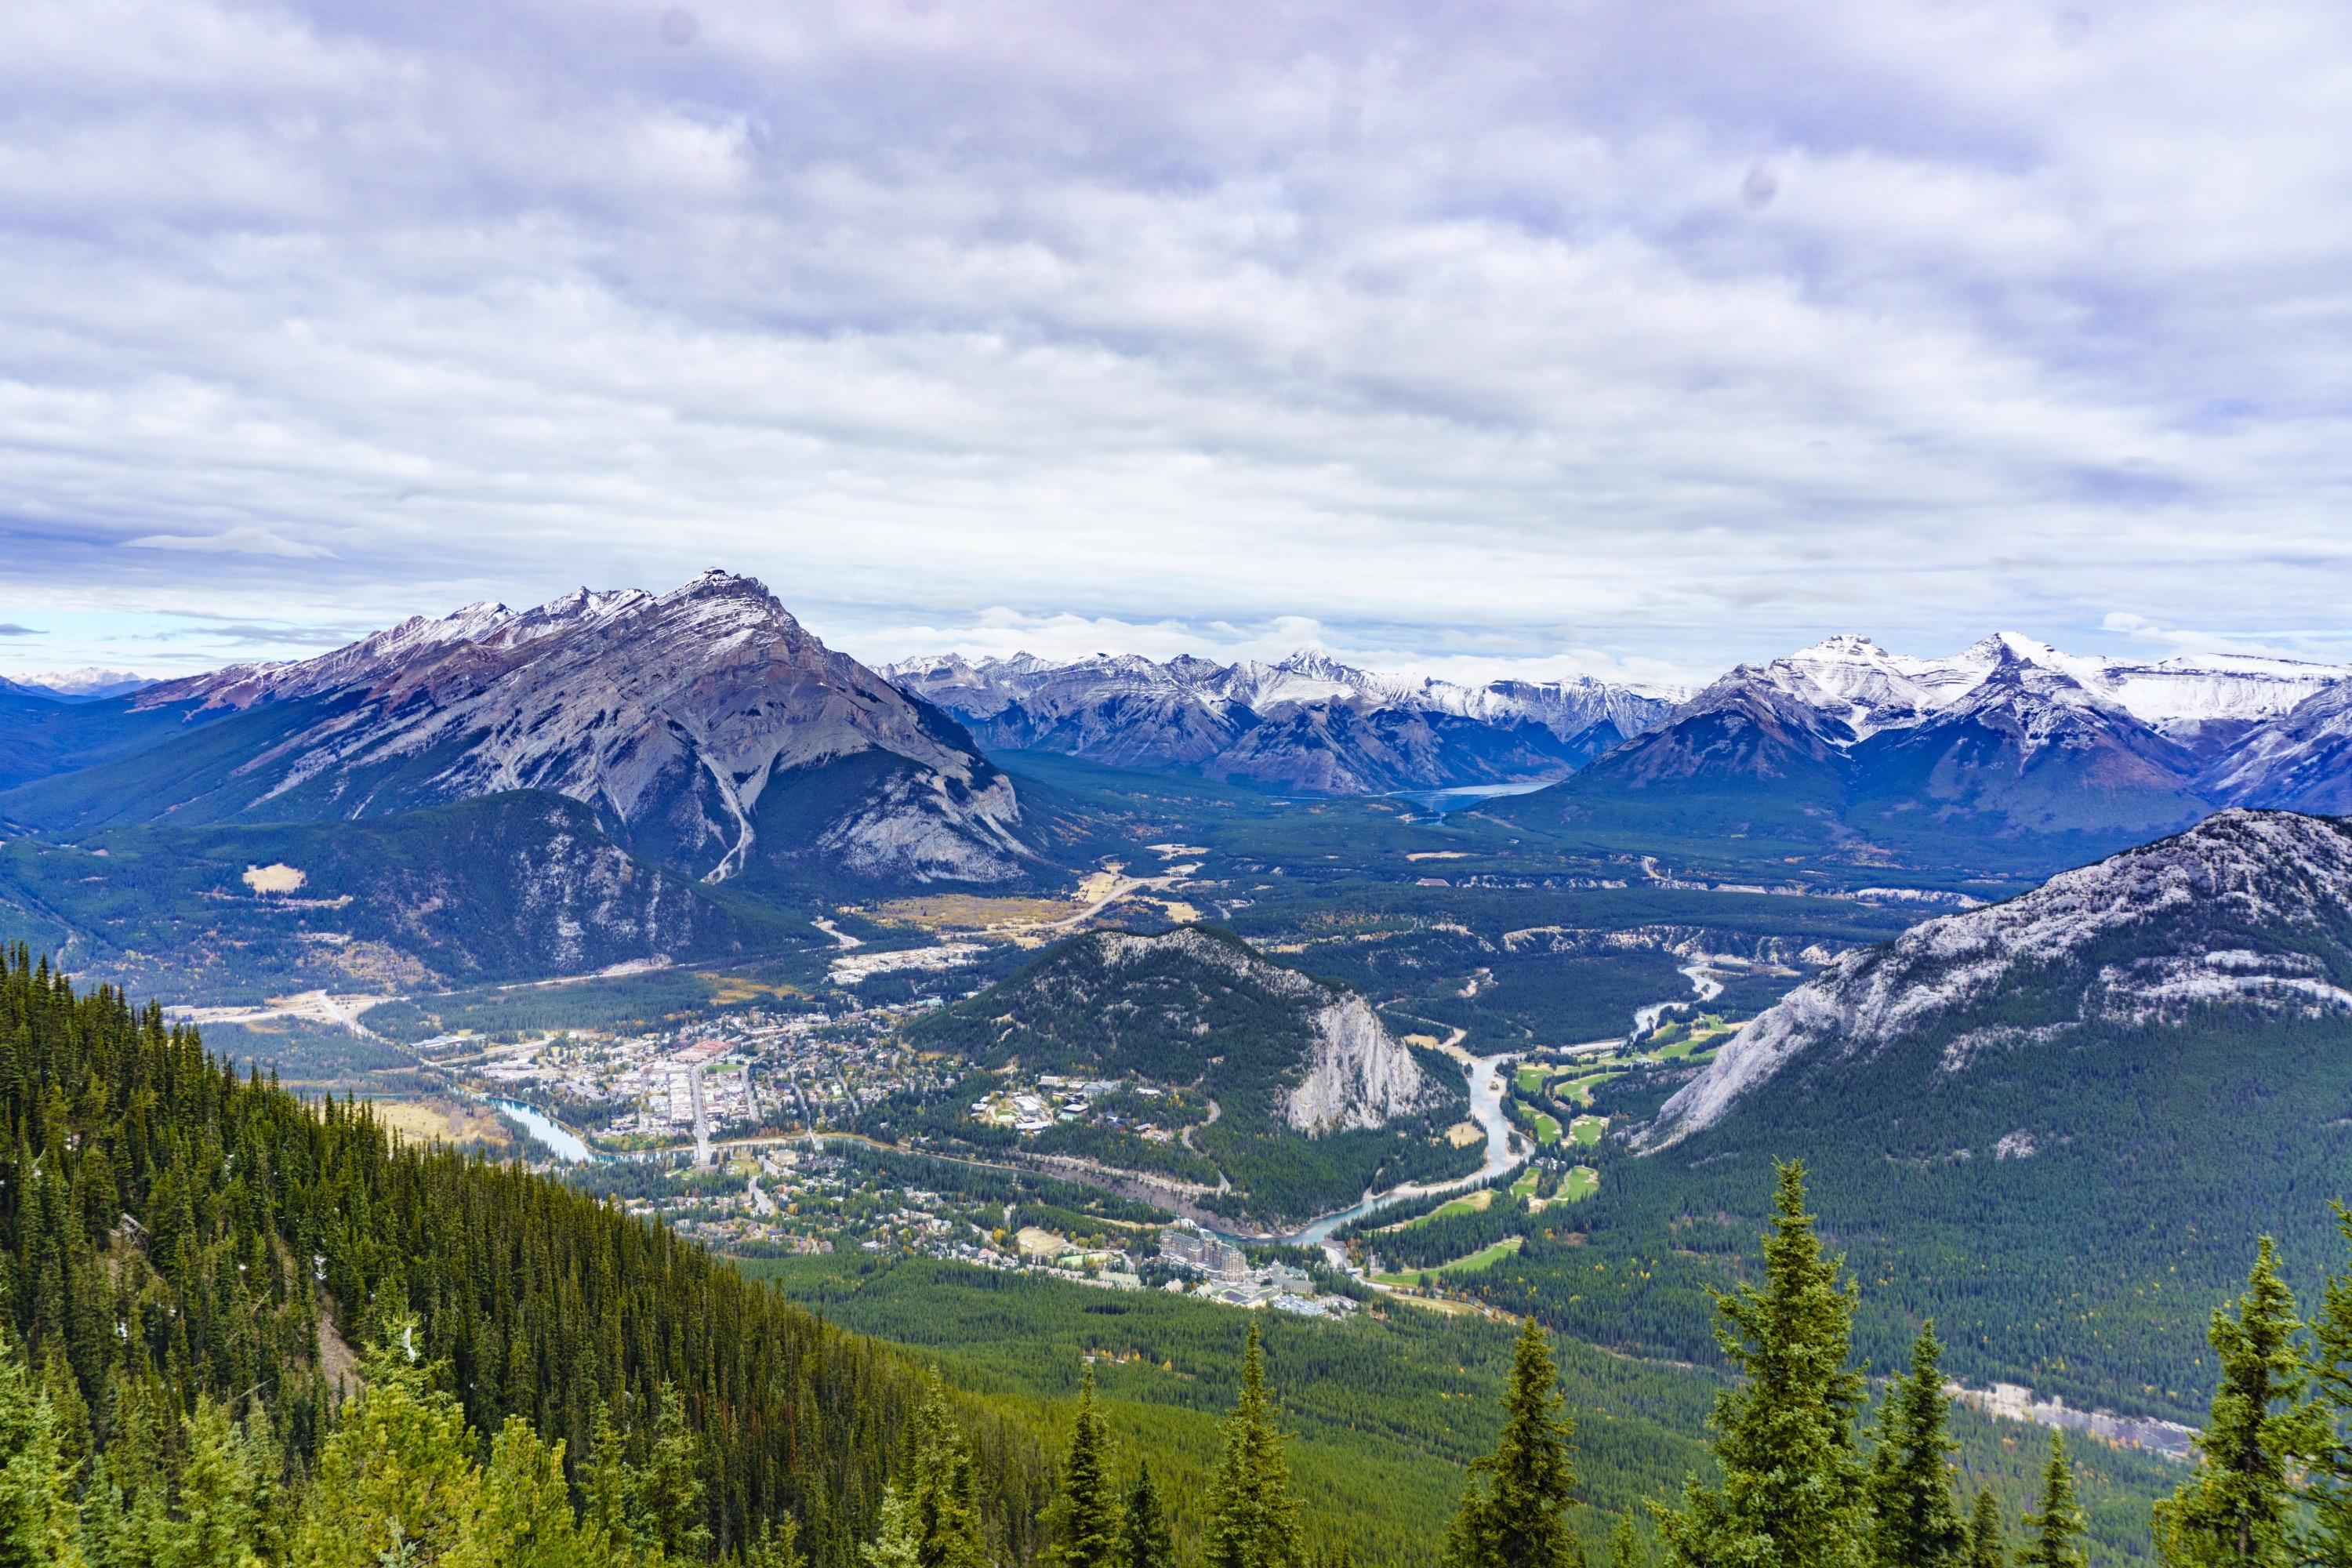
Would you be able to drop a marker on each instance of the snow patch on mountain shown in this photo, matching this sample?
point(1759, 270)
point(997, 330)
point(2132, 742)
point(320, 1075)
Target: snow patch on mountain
point(2150, 914)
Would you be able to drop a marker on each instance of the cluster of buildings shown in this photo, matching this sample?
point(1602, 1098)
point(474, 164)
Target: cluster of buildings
point(1051, 1099)
point(1215, 1270)
point(747, 1073)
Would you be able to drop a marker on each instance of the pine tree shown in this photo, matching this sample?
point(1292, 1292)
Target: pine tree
point(1985, 1548)
point(1145, 1541)
point(1252, 1518)
point(395, 1483)
point(668, 1491)
point(1792, 1483)
point(2329, 1485)
point(1625, 1546)
point(1915, 1519)
point(897, 1538)
point(610, 1485)
point(526, 1519)
point(2053, 1537)
point(941, 1522)
point(2239, 1507)
point(39, 1526)
point(1088, 1526)
point(776, 1546)
point(1514, 1511)
point(218, 1520)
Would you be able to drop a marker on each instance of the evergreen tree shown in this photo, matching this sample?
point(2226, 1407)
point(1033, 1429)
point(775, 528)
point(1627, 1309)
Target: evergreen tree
point(1985, 1547)
point(1252, 1518)
point(1792, 1483)
point(39, 1526)
point(668, 1492)
point(526, 1519)
point(1915, 1519)
point(776, 1546)
point(1088, 1526)
point(1625, 1546)
point(2053, 1537)
point(395, 1483)
point(1514, 1511)
point(1145, 1538)
point(936, 1522)
point(218, 1520)
point(897, 1538)
point(2239, 1507)
point(2329, 1484)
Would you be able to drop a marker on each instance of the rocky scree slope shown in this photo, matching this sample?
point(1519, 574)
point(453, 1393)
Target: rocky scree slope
point(2249, 914)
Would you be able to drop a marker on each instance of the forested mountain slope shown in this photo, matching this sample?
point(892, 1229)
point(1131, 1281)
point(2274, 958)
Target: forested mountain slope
point(1314, 1099)
point(176, 1234)
point(2051, 1122)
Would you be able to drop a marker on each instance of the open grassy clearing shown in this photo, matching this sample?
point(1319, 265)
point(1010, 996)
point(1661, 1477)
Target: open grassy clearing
point(969, 911)
point(1486, 1257)
point(1531, 1078)
point(1579, 1088)
point(441, 1121)
point(1581, 1183)
point(1547, 1128)
point(1529, 1180)
point(1586, 1131)
point(1469, 1203)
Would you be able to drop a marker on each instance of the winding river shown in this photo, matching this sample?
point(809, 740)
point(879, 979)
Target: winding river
point(1485, 1108)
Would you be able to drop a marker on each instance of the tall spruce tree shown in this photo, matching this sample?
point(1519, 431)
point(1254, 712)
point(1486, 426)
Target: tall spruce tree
point(2053, 1536)
point(1914, 1520)
point(1086, 1523)
point(1146, 1540)
point(1625, 1546)
point(2238, 1509)
point(1792, 1481)
point(1252, 1518)
point(2328, 1486)
point(1514, 1514)
point(1986, 1549)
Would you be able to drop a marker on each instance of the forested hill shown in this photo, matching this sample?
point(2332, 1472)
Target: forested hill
point(178, 1239)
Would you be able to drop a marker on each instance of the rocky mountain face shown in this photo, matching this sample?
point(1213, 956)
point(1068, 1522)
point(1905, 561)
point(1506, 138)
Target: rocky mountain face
point(2300, 759)
point(706, 727)
point(2246, 917)
point(1847, 746)
point(1307, 723)
point(1193, 1006)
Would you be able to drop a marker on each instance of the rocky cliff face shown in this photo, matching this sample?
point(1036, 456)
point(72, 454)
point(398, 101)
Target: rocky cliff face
point(1358, 1074)
point(2250, 913)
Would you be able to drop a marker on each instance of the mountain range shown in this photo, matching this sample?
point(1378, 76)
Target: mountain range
point(1307, 724)
point(1848, 748)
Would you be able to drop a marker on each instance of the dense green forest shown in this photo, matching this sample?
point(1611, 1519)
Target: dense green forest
point(246, 1330)
point(187, 1244)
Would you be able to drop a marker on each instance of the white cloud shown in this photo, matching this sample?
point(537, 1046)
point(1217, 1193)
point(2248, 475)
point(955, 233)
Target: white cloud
point(244, 541)
point(1475, 343)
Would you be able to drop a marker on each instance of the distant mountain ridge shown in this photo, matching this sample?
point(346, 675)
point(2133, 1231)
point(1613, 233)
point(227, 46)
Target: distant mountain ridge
point(1307, 723)
point(1847, 747)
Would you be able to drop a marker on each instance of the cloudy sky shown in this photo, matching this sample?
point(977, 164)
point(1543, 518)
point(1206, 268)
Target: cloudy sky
point(1635, 336)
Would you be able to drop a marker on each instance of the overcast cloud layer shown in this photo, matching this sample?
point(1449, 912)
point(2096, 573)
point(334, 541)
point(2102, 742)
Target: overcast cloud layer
point(1631, 336)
